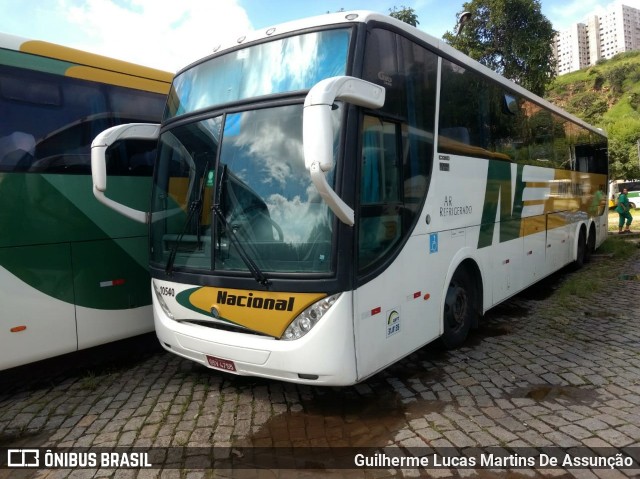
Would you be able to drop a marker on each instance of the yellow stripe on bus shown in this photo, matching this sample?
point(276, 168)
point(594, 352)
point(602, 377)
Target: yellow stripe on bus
point(265, 312)
point(532, 225)
point(158, 80)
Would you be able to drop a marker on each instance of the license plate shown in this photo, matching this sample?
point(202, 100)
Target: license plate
point(223, 364)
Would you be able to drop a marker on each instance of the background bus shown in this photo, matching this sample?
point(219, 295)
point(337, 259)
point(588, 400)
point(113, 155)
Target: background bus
point(73, 274)
point(335, 193)
point(633, 188)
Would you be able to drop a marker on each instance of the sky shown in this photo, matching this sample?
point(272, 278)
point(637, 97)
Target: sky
point(170, 34)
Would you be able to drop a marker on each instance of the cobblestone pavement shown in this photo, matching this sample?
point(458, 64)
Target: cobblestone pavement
point(546, 368)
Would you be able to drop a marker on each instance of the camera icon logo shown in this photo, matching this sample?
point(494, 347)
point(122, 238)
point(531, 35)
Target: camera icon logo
point(23, 458)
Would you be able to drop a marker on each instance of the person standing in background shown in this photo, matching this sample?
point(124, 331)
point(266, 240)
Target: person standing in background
point(622, 208)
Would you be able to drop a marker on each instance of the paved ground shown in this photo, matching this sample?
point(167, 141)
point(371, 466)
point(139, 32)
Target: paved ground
point(547, 368)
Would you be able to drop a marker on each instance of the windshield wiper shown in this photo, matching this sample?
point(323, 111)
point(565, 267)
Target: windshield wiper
point(195, 207)
point(253, 268)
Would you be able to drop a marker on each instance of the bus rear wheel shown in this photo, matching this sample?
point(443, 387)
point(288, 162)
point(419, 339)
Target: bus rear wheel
point(458, 311)
point(582, 252)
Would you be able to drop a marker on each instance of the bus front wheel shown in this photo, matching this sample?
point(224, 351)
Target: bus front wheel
point(458, 311)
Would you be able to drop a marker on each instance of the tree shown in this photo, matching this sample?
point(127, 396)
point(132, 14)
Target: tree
point(512, 37)
point(405, 14)
point(623, 148)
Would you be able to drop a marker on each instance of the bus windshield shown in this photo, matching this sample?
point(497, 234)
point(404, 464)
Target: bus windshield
point(233, 189)
point(280, 66)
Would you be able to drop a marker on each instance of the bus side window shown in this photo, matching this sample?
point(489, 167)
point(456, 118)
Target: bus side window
point(379, 162)
point(397, 151)
point(16, 151)
point(380, 223)
point(22, 98)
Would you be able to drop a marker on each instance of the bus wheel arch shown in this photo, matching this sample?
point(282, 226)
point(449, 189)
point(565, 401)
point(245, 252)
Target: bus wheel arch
point(462, 305)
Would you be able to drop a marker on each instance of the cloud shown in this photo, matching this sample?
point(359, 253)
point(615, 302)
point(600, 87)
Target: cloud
point(301, 219)
point(565, 14)
point(163, 34)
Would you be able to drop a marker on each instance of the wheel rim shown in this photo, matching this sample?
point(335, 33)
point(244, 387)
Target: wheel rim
point(457, 305)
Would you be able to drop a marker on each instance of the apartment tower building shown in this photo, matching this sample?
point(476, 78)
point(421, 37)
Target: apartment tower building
point(598, 37)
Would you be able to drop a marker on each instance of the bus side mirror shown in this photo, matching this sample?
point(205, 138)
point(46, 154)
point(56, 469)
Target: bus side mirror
point(511, 104)
point(317, 131)
point(99, 147)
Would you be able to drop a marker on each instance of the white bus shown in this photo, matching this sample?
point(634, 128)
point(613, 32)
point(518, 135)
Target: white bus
point(334, 193)
point(73, 273)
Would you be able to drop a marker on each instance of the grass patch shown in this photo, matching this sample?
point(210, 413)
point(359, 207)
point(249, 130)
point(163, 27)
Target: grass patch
point(618, 247)
point(582, 284)
point(90, 381)
point(578, 286)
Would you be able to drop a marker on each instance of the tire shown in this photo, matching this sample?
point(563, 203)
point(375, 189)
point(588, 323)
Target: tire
point(459, 310)
point(591, 246)
point(581, 253)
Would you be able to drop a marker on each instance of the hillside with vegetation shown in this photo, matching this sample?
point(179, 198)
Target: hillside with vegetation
point(607, 95)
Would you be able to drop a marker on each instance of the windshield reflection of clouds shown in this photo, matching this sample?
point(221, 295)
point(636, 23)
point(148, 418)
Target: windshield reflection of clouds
point(264, 149)
point(299, 216)
point(275, 146)
point(289, 64)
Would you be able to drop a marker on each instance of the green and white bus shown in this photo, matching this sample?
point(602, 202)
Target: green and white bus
point(334, 193)
point(73, 274)
point(633, 191)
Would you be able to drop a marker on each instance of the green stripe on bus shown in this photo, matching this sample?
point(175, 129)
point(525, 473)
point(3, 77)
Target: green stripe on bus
point(498, 194)
point(34, 62)
point(61, 241)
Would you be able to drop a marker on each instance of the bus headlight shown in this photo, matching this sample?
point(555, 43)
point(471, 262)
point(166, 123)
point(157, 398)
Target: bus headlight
point(309, 318)
point(161, 301)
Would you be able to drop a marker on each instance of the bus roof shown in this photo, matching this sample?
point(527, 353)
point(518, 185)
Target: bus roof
point(436, 44)
point(84, 65)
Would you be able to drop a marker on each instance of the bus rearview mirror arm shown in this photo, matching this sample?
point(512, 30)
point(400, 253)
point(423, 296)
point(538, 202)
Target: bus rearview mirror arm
point(99, 146)
point(317, 131)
